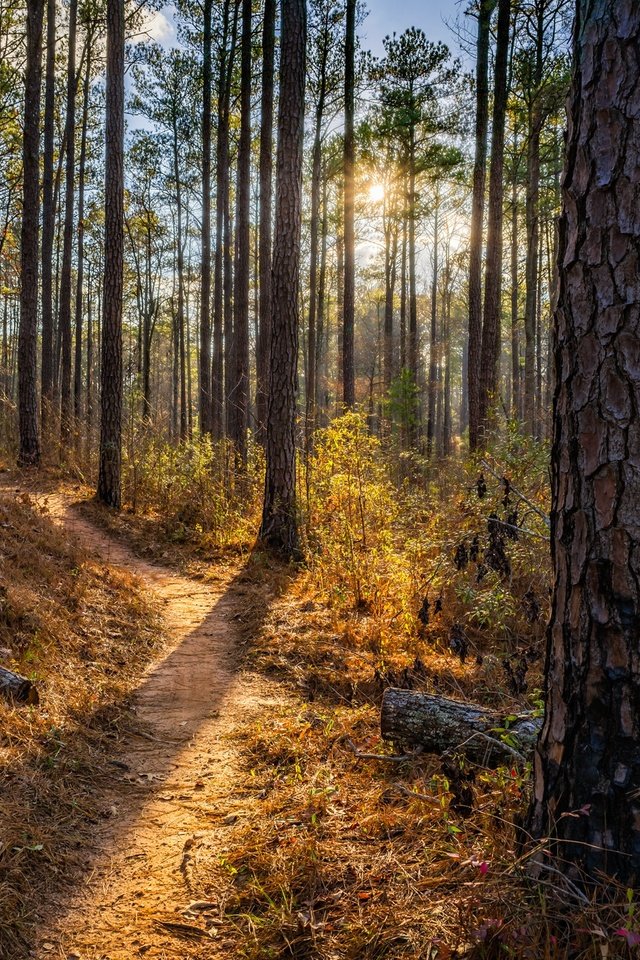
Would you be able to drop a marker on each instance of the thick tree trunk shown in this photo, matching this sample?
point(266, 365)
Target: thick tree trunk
point(490, 352)
point(265, 231)
point(439, 725)
point(477, 217)
point(111, 366)
point(29, 452)
point(348, 322)
point(279, 528)
point(587, 764)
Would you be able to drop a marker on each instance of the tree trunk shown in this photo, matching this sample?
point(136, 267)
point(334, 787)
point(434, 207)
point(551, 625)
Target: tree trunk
point(533, 229)
point(64, 315)
point(515, 287)
point(79, 306)
point(111, 366)
point(587, 764)
point(477, 217)
point(490, 351)
point(348, 322)
point(204, 366)
point(433, 340)
point(239, 395)
point(440, 725)
point(266, 196)
point(218, 372)
point(29, 452)
point(48, 220)
point(279, 528)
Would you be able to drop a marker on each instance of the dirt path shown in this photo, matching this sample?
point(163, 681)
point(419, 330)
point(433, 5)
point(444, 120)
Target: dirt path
point(179, 791)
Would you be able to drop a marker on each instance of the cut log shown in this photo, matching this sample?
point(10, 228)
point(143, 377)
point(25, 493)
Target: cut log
point(440, 725)
point(15, 687)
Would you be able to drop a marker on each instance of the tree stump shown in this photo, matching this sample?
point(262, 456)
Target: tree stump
point(17, 688)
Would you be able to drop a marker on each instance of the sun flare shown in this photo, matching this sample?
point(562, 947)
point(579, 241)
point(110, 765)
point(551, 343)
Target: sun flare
point(376, 192)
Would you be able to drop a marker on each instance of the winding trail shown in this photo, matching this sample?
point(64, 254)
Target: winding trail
point(177, 787)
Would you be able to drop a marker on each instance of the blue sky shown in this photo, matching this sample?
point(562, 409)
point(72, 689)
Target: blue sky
point(385, 16)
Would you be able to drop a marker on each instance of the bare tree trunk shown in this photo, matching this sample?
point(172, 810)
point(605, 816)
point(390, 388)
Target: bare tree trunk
point(29, 452)
point(111, 366)
point(64, 316)
point(533, 227)
point(239, 395)
point(79, 306)
point(490, 354)
point(348, 323)
point(433, 341)
point(515, 320)
point(204, 366)
point(266, 195)
point(279, 528)
point(48, 220)
point(477, 218)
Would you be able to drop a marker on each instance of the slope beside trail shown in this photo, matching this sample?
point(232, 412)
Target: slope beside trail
point(178, 784)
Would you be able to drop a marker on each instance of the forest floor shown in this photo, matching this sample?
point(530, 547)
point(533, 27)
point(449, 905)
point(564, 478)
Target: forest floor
point(179, 788)
point(204, 776)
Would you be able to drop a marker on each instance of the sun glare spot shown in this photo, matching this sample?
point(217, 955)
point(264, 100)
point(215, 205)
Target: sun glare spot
point(376, 192)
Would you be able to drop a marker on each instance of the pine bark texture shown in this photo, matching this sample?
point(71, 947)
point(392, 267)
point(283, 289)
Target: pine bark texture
point(29, 452)
point(111, 367)
point(587, 765)
point(279, 519)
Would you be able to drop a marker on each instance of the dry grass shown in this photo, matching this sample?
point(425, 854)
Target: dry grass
point(83, 633)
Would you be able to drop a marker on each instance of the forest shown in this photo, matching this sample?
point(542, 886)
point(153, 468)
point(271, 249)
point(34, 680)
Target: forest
point(319, 479)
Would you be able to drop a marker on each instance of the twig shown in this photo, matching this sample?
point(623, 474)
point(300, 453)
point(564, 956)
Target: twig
point(491, 740)
point(418, 796)
point(515, 490)
point(530, 533)
point(399, 758)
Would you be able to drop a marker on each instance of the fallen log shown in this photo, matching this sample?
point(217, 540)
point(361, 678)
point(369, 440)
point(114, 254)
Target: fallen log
point(444, 726)
point(15, 687)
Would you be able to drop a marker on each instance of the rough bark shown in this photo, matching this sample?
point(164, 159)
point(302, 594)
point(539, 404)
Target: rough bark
point(279, 528)
point(477, 216)
point(29, 452)
point(111, 365)
point(348, 320)
point(587, 763)
point(440, 725)
point(15, 687)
